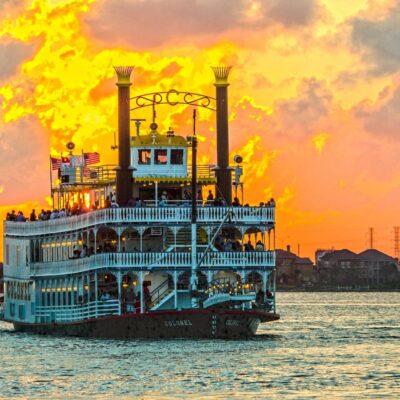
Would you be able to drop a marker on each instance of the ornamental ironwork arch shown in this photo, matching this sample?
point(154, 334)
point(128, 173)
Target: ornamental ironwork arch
point(172, 98)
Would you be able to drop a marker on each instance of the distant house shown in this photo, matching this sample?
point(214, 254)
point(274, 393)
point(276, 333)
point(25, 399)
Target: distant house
point(383, 270)
point(293, 270)
point(369, 269)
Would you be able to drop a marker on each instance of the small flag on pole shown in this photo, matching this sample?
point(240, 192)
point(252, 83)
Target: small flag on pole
point(91, 158)
point(65, 160)
point(55, 163)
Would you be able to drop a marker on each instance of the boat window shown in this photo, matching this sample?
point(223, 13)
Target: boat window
point(145, 156)
point(21, 311)
point(160, 157)
point(176, 157)
point(12, 309)
point(7, 254)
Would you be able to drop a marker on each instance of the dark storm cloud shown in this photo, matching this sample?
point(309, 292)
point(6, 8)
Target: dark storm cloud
point(11, 55)
point(384, 117)
point(153, 22)
point(379, 41)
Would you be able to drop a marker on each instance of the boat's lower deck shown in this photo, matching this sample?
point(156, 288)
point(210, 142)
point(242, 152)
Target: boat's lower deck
point(223, 324)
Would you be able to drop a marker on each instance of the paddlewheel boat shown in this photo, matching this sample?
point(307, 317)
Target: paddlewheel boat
point(151, 258)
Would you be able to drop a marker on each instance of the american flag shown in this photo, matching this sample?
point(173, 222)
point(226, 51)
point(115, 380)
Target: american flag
point(65, 160)
point(55, 163)
point(91, 158)
point(89, 173)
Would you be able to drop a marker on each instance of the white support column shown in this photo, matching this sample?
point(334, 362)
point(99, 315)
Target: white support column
point(96, 295)
point(44, 286)
point(265, 278)
point(72, 290)
point(119, 282)
point(141, 231)
point(176, 290)
point(141, 292)
point(95, 240)
point(243, 279)
point(194, 258)
point(119, 231)
point(274, 292)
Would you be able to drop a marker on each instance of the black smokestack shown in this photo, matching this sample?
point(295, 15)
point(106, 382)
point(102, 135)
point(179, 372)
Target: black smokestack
point(124, 170)
point(222, 171)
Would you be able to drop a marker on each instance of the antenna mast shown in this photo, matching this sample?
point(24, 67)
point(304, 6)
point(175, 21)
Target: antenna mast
point(194, 204)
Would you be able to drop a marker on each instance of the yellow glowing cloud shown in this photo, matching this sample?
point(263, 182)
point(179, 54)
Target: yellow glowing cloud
point(319, 141)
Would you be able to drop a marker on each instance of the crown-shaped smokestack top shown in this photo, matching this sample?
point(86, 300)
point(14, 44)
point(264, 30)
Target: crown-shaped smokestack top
point(221, 75)
point(124, 74)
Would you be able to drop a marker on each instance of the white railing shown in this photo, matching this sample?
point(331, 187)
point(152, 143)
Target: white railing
point(247, 215)
point(154, 260)
point(77, 312)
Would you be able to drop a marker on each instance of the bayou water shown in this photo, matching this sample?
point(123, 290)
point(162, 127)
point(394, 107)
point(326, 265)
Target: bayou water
point(327, 345)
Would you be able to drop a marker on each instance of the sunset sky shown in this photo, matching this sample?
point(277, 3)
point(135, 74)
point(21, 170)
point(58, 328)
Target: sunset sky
point(314, 99)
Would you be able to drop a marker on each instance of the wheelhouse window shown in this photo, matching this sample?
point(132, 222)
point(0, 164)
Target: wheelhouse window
point(160, 157)
point(145, 156)
point(176, 157)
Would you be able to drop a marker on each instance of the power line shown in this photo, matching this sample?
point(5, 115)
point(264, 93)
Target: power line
point(396, 241)
point(371, 237)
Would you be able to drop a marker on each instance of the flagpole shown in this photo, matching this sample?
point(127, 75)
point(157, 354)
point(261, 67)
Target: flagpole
point(51, 181)
point(82, 166)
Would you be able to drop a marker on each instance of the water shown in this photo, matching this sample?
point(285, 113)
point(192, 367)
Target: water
point(327, 345)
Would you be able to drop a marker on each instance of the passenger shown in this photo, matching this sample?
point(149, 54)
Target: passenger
point(259, 246)
point(200, 195)
point(62, 213)
point(13, 216)
point(260, 296)
point(210, 196)
point(162, 202)
point(33, 216)
point(76, 251)
point(107, 203)
point(83, 252)
point(54, 214)
point(138, 202)
point(236, 202)
point(187, 195)
point(20, 217)
point(137, 303)
point(114, 204)
point(262, 204)
point(218, 202)
point(131, 202)
point(272, 203)
point(238, 246)
point(248, 246)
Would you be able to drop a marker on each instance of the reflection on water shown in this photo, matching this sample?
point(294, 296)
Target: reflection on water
point(331, 345)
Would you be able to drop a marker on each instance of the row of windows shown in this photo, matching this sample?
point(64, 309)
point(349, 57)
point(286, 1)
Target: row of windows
point(21, 311)
point(18, 290)
point(160, 157)
point(18, 253)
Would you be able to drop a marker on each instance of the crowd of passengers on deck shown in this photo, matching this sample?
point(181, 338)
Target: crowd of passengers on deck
point(164, 201)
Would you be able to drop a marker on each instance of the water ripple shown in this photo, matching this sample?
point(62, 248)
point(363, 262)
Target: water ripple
point(327, 345)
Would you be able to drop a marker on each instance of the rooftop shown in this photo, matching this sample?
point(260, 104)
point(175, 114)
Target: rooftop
point(160, 140)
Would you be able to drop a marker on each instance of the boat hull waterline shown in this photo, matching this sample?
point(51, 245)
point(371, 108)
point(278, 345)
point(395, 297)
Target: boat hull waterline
point(212, 324)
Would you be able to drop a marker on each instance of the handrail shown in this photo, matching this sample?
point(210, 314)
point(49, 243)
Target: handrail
point(156, 295)
point(77, 312)
point(141, 215)
point(146, 261)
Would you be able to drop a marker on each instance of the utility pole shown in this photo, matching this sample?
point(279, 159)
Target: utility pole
point(371, 237)
point(396, 241)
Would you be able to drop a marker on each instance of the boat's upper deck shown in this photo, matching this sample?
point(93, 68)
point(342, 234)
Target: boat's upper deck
point(253, 216)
